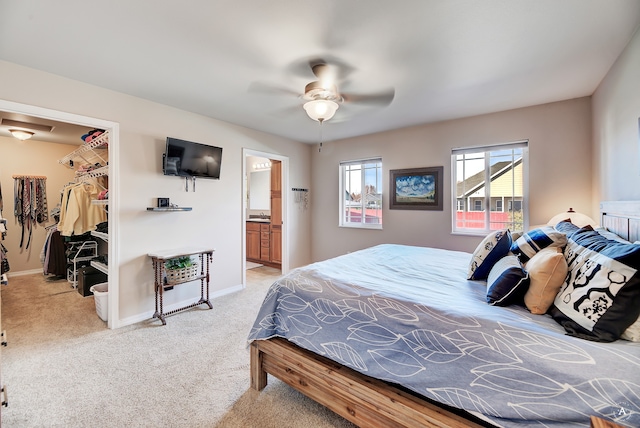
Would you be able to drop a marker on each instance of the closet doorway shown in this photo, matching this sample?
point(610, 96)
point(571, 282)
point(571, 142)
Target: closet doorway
point(26, 113)
point(264, 225)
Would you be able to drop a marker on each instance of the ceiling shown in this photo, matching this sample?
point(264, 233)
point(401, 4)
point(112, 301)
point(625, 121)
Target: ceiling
point(444, 59)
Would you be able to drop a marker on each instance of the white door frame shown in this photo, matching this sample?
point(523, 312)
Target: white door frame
point(285, 209)
point(114, 180)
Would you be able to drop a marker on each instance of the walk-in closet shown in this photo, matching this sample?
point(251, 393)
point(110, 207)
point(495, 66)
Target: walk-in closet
point(54, 192)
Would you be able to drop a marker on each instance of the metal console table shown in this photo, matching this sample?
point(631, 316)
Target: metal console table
point(160, 258)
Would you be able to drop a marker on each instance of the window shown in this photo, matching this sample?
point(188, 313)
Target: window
point(486, 179)
point(361, 193)
point(515, 205)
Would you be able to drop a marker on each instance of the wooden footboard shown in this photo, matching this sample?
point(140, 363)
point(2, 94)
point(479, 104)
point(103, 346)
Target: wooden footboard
point(365, 401)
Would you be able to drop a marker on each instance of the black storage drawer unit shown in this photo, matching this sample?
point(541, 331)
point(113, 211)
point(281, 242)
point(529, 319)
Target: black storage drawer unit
point(88, 276)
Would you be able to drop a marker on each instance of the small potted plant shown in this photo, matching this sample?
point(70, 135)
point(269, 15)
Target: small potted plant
point(181, 269)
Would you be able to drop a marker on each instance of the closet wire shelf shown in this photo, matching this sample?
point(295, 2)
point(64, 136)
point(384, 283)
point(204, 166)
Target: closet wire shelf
point(91, 146)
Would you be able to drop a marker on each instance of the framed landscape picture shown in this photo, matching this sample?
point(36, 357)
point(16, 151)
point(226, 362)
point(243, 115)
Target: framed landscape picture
point(416, 188)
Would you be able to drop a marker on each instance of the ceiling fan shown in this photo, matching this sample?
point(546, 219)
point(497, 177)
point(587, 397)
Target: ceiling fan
point(322, 96)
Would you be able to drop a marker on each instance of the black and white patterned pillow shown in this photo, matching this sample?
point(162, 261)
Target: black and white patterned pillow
point(535, 240)
point(601, 296)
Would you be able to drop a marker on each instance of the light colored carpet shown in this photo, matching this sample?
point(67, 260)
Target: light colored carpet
point(64, 368)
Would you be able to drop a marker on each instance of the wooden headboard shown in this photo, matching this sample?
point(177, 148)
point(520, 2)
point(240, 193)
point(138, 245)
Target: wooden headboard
point(622, 218)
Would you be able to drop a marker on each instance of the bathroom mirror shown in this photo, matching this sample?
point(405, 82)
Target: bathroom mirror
point(260, 190)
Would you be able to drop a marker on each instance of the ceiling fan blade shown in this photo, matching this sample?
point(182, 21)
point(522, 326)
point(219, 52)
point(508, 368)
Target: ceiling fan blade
point(382, 98)
point(288, 112)
point(304, 67)
point(341, 116)
point(269, 89)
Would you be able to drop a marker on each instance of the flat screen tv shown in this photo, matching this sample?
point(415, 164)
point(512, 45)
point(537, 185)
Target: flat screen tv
point(189, 159)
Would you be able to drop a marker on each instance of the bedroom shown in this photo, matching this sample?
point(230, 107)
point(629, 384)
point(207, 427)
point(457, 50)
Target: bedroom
point(144, 126)
point(601, 132)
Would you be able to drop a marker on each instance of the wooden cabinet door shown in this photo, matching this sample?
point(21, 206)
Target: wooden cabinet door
point(276, 211)
point(253, 242)
point(276, 244)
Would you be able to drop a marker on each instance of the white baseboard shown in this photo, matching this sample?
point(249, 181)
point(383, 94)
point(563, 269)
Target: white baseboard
point(24, 272)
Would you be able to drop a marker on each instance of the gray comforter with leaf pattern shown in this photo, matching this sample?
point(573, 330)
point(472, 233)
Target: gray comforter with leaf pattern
point(408, 315)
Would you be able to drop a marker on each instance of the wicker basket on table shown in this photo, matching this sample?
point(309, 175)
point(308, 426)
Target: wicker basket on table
point(182, 269)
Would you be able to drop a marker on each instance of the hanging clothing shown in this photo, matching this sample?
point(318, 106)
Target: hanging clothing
point(4, 262)
point(52, 256)
point(30, 204)
point(77, 214)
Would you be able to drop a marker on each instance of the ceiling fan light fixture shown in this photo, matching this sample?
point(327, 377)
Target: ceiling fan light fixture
point(320, 110)
point(21, 134)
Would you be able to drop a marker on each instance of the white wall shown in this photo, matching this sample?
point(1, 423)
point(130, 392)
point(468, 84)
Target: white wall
point(616, 112)
point(216, 219)
point(559, 137)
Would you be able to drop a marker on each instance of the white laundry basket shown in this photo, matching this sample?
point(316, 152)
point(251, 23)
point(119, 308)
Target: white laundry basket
point(101, 297)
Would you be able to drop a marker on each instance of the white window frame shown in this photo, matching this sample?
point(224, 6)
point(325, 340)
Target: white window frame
point(524, 145)
point(341, 206)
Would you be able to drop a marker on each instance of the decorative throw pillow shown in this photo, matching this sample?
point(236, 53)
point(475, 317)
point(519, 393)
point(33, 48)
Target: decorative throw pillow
point(547, 272)
point(507, 282)
point(535, 240)
point(600, 297)
point(610, 235)
point(492, 248)
point(632, 333)
point(566, 227)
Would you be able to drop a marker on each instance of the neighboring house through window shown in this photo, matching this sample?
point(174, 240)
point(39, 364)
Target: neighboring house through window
point(486, 179)
point(361, 193)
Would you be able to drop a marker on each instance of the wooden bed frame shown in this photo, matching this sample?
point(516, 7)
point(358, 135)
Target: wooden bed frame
point(363, 400)
point(369, 402)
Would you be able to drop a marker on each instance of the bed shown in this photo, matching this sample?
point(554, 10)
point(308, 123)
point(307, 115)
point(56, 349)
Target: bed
point(398, 335)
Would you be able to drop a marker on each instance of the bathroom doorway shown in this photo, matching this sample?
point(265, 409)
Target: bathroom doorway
point(264, 210)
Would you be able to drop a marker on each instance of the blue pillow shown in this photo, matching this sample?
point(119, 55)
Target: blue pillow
point(507, 283)
point(535, 240)
point(566, 227)
point(492, 248)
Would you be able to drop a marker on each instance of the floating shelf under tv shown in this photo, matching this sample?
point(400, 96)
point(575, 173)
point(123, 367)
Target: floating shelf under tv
point(169, 208)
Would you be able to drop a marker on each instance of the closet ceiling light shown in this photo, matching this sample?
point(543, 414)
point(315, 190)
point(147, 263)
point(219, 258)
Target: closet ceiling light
point(21, 134)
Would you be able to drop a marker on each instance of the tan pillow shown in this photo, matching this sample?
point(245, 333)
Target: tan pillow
point(547, 272)
point(632, 332)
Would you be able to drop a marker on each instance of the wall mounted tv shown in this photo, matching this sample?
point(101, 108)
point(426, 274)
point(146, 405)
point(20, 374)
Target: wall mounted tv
point(189, 159)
